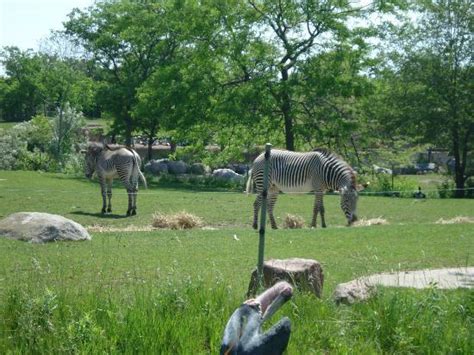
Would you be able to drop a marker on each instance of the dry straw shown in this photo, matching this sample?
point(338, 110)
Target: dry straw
point(108, 229)
point(180, 220)
point(293, 222)
point(370, 222)
point(455, 220)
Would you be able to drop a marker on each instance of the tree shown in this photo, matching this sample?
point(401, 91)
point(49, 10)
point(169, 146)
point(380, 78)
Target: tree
point(20, 94)
point(296, 30)
point(429, 89)
point(129, 40)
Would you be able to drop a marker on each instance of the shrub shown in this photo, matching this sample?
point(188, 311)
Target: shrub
point(445, 190)
point(13, 146)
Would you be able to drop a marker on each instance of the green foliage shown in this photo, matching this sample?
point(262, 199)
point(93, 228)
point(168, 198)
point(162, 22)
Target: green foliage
point(445, 189)
point(403, 186)
point(43, 143)
point(12, 146)
point(67, 125)
point(200, 183)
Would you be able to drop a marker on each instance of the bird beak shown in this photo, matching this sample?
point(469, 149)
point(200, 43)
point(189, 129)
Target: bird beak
point(275, 297)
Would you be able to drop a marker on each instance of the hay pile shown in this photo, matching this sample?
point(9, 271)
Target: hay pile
point(370, 222)
point(293, 222)
point(455, 220)
point(180, 220)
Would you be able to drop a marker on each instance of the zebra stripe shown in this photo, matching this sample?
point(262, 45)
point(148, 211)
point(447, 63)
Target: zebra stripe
point(316, 171)
point(123, 163)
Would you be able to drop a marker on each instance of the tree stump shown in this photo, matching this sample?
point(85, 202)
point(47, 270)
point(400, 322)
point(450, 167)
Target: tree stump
point(304, 274)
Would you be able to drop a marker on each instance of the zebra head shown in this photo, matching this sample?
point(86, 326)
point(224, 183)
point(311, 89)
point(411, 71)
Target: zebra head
point(91, 156)
point(349, 203)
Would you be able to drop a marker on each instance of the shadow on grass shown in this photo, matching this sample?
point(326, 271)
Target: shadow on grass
point(100, 215)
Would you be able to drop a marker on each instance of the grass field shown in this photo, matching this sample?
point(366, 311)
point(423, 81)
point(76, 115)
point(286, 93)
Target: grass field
point(171, 292)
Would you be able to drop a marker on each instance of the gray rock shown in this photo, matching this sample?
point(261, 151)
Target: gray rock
point(157, 167)
point(305, 274)
point(177, 167)
point(199, 169)
point(38, 227)
point(357, 290)
point(241, 169)
point(228, 175)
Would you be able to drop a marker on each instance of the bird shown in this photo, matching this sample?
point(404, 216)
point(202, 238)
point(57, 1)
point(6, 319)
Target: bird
point(243, 333)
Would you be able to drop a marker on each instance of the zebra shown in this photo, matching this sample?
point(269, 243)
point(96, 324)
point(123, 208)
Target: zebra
point(316, 171)
point(108, 164)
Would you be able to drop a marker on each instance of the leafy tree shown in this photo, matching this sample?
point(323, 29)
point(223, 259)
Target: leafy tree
point(429, 90)
point(295, 31)
point(20, 95)
point(128, 40)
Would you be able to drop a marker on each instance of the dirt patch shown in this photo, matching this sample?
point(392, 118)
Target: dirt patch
point(109, 229)
point(448, 278)
point(455, 220)
point(370, 222)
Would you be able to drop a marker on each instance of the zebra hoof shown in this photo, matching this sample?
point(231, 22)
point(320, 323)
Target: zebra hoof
point(255, 226)
point(134, 212)
point(103, 211)
point(109, 210)
point(129, 213)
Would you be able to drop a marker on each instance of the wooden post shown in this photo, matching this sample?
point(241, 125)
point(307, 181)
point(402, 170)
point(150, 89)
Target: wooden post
point(263, 217)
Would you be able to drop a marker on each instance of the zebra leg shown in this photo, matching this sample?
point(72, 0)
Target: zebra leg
point(134, 200)
point(103, 189)
point(318, 207)
point(256, 207)
point(130, 201)
point(109, 195)
point(272, 197)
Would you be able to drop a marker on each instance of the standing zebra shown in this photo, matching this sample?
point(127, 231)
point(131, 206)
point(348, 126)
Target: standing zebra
point(124, 163)
point(316, 171)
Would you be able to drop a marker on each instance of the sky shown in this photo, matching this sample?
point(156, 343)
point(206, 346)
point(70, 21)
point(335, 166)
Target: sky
point(24, 23)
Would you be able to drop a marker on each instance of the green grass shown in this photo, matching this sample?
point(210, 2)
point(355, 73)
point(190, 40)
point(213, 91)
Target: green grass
point(172, 292)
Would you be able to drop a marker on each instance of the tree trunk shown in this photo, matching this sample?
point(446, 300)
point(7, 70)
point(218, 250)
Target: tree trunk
point(285, 105)
point(459, 166)
point(128, 130)
point(151, 140)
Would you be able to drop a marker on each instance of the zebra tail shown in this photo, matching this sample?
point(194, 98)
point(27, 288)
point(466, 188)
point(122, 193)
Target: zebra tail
point(249, 186)
point(137, 162)
point(142, 177)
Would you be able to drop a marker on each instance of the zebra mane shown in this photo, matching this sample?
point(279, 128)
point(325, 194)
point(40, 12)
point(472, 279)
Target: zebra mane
point(95, 148)
point(326, 153)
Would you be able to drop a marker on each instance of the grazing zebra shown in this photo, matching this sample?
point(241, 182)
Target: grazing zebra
point(107, 163)
point(316, 171)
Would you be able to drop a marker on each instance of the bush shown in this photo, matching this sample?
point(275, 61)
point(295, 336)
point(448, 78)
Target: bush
point(12, 147)
point(446, 189)
point(402, 186)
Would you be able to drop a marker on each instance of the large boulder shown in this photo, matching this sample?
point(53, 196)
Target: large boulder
point(241, 169)
point(354, 291)
point(157, 167)
point(304, 274)
point(177, 167)
point(199, 169)
point(227, 175)
point(38, 227)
